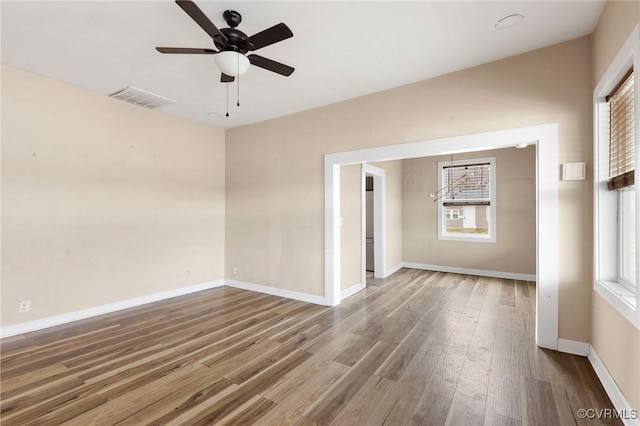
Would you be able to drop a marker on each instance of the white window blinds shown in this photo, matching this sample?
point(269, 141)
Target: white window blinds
point(622, 135)
point(467, 185)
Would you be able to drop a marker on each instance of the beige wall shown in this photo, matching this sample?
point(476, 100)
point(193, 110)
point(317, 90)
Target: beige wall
point(614, 339)
point(275, 183)
point(351, 228)
point(617, 343)
point(103, 201)
point(616, 22)
point(515, 248)
point(393, 211)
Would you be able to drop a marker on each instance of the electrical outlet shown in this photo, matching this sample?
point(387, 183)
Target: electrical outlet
point(24, 306)
point(235, 270)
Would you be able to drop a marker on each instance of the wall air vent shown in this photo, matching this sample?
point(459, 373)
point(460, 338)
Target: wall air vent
point(141, 97)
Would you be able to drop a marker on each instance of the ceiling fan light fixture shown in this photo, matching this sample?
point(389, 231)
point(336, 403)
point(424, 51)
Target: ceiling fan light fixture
point(232, 63)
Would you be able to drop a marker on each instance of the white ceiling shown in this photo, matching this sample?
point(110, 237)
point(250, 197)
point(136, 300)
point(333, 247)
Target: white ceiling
point(340, 50)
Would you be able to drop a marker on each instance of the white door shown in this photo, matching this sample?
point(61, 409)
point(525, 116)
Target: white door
point(469, 219)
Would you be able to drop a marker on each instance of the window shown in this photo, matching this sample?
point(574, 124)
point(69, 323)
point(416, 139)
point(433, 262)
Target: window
point(615, 155)
point(617, 139)
point(467, 192)
point(621, 176)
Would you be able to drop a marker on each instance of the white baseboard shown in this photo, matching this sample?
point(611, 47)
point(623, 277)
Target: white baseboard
point(392, 270)
point(467, 271)
point(613, 391)
point(351, 291)
point(25, 327)
point(289, 294)
point(574, 347)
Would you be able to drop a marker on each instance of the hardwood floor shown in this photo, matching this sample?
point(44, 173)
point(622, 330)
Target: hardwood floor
point(420, 348)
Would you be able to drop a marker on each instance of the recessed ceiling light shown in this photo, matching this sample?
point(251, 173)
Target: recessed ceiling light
point(521, 145)
point(213, 114)
point(509, 21)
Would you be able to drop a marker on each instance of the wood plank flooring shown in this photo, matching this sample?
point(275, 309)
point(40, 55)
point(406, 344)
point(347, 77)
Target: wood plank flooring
point(417, 348)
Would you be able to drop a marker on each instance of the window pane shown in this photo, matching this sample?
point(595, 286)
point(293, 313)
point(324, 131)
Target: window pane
point(466, 220)
point(452, 213)
point(628, 235)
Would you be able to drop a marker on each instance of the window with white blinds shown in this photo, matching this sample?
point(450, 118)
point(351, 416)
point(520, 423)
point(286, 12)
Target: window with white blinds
point(616, 228)
point(622, 135)
point(466, 200)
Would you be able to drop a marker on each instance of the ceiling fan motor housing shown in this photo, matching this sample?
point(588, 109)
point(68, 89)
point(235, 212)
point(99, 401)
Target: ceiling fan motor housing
point(235, 38)
point(234, 41)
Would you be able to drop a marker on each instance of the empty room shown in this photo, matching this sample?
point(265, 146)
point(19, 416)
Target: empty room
point(319, 213)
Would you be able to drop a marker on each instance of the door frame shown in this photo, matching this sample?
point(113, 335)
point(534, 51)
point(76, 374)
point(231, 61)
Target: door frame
point(379, 222)
point(544, 136)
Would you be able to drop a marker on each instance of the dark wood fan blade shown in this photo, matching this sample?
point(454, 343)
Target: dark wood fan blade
point(269, 36)
point(268, 64)
point(226, 78)
point(201, 19)
point(186, 50)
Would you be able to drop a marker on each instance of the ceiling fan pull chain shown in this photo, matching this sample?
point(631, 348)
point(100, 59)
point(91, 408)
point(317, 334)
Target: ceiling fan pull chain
point(238, 103)
point(227, 99)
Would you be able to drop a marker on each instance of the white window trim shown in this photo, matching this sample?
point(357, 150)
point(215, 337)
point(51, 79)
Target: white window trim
point(473, 238)
point(605, 227)
point(628, 285)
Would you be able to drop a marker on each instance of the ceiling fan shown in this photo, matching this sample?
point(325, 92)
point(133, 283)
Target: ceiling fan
point(233, 45)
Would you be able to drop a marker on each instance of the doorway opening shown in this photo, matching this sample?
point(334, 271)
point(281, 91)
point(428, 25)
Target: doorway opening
point(373, 222)
point(545, 137)
point(369, 236)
